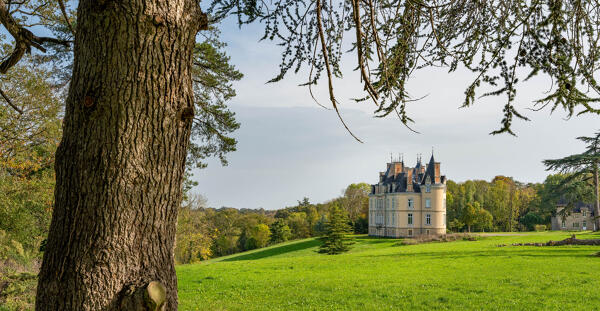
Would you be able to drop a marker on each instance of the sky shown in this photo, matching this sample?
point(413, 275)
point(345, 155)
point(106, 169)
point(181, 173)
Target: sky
point(290, 148)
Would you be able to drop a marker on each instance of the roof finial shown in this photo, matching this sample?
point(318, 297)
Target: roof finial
point(431, 150)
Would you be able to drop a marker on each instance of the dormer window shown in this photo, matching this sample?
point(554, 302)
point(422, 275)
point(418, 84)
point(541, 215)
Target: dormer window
point(583, 212)
point(428, 184)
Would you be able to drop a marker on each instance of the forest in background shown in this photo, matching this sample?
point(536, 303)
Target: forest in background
point(203, 232)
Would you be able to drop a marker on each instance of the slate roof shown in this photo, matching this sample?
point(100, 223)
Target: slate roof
point(577, 206)
point(400, 180)
point(430, 171)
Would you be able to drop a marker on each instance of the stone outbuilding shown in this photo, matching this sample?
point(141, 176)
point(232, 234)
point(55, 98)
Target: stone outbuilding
point(580, 218)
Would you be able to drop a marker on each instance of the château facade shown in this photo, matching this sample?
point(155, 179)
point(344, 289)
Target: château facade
point(408, 201)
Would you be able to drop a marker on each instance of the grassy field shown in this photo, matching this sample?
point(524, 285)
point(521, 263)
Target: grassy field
point(384, 274)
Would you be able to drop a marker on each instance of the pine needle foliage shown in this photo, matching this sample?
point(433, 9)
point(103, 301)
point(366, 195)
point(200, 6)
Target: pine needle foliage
point(503, 43)
point(336, 239)
point(583, 168)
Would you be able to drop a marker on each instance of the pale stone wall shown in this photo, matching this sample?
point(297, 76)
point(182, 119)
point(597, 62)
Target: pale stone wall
point(579, 219)
point(388, 213)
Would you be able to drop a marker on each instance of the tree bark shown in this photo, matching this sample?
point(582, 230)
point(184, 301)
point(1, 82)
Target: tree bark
point(121, 160)
point(597, 199)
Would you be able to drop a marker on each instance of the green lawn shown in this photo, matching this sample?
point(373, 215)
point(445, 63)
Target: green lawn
point(382, 274)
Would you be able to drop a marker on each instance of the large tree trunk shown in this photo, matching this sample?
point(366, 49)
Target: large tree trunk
point(120, 163)
point(597, 199)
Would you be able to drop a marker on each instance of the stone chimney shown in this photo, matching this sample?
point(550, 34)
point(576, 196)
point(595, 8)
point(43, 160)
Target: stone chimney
point(437, 173)
point(398, 168)
point(409, 181)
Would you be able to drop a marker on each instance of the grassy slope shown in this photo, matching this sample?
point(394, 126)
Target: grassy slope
point(381, 274)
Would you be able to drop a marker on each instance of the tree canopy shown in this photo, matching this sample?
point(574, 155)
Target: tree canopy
point(583, 169)
point(503, 43)
point(392, 39)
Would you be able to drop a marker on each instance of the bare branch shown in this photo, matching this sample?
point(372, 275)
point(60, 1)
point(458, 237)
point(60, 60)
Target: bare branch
point(63, 10)
point(10, 103)
point(327, 66)
point(24, 39)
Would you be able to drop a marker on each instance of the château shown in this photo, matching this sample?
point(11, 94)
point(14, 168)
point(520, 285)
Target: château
point(408, 201)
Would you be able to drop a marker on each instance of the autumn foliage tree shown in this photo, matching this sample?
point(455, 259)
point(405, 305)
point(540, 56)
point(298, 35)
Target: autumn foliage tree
point(28, 140)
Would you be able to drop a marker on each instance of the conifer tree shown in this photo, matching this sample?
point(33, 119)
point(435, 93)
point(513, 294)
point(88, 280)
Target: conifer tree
point(336, 239)
point(585, 165)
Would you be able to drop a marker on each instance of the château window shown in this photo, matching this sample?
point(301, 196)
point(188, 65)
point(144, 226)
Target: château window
point(427, 231)
point(584, 224)
point(411, 204)
point(410, 219)
point(575, 225)
point(393, 203)
point(409, 232)
point(564, 225)
point(428, 203)
point(583, 213)
point(427, 188)
point(393, 219)
point(428, 219)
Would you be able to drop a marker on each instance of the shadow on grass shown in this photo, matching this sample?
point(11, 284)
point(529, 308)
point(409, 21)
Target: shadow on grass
point(276, 250)
point(365, 239)
point(525, 251)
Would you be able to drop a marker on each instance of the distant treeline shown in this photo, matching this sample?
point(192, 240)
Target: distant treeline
point(204, 233)
point(502, 204)
point(508, 205)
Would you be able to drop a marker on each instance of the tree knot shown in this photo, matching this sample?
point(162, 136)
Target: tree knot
point(88, 101)
point(150, 297)
point(187, 113)
point(158, 20)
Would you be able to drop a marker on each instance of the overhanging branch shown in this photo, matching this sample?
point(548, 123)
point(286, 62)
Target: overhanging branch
point(24, 39)
point(10, 103)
